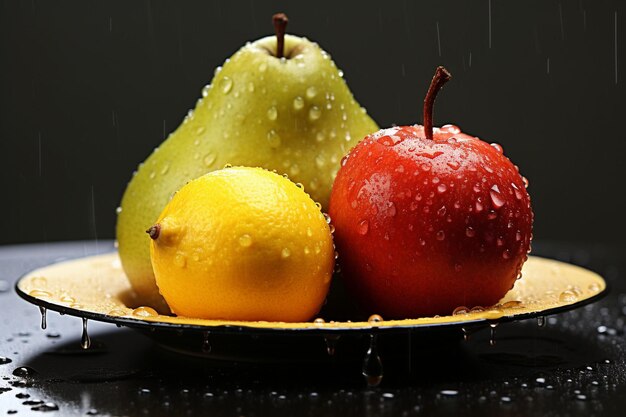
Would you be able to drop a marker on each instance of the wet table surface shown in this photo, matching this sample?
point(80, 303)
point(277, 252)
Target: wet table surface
point(573, 365)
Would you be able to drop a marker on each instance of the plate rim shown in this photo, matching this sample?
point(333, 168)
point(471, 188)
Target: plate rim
point(313, 331)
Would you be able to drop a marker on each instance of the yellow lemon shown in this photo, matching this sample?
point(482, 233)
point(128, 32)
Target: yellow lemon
point(242, 244)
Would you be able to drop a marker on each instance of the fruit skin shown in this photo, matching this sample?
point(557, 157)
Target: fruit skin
point(424, 226)
point(243, 244)
point(235, 123)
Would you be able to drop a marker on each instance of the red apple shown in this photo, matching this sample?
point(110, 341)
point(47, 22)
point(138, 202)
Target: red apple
point(429, 219)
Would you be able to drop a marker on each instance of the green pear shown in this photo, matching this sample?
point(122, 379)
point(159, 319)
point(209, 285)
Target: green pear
point(293, 114)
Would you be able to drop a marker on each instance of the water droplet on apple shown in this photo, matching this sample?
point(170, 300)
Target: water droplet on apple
point(391, 209)
point(497, 147)
point(525, 181)
point(518, 236)
point(298, 103)
point(451, 129)
point(496, 197)
point(492, 215)
point(319, 321)
point(518, 193)
point(311, 92)
point(314, 113)
point(454, 165)
point(476, 188)
point(441, 235)
point(363, 227)
point(272, 113)
point(506, 254)
point(426, 166)
point(460, 310)
point(273, 139)
point(226, 84)
point(470, 232)
point(442, 188)
point(479, 206)
point(285, 253)
point(209, 159)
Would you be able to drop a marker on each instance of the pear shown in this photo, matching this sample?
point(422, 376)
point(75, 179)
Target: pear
point(279, 103)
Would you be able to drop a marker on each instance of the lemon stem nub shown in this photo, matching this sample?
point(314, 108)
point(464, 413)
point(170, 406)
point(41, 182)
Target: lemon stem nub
point(154, 231)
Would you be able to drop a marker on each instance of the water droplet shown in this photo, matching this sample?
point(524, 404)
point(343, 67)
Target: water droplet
point(272, 113)
point(363, 227)
point(568, 296)
point(454, 165)
point(541, 321)
point(314, 113)
point(426, 166)
point(180, 260)
point(24, 372)
point(39, 293)
point(47, 406)
point(206, 346)
point(205, 90)
point(492, 338)
point(298, 103)
point(44, 323)
point(451, 128)
point(331, 343)
point(85, 341)
point(470, 232)
point(497, 147)
point(460, 310)
point(165, 168)
point(251, 87)
point(525, 181)
point(245, 240)
point(311, 92)
point(209, 159)
point(594, 287)
point(492, 215)
point(506, 254)
point(273, 139)
point(372, 365)
point(118, 210)
point(391, 209)
point(374, 318)
point(144, 311)
point(442, 188)
point(496, 197)
point(440, 235)
point(226, 84)
point(319, 321)
point(285, 253)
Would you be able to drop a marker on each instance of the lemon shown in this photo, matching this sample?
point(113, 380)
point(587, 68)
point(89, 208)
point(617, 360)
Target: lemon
point(242, 244)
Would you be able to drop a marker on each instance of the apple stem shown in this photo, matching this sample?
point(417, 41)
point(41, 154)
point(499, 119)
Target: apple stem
point(154, 231)
point(441, 77)
point(280, 24)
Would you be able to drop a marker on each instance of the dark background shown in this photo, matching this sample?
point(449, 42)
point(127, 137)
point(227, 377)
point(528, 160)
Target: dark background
point(90, 88)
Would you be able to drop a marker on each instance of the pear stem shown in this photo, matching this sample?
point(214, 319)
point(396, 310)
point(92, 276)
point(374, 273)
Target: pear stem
point(154, 231)
point(441, 77)
point(280, 25)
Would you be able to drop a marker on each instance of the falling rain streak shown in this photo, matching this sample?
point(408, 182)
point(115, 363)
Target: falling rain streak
point(438, 40)
point(616, 47)
point(489, 24)
point(561, 21)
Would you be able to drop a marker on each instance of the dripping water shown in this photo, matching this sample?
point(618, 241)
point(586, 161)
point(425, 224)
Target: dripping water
point(492, 337)
point(331, 343)
point(44, 323)
point(541, 321)
point(372, 365)
point(85, 341)
point(206, 346)
point(466, 334)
